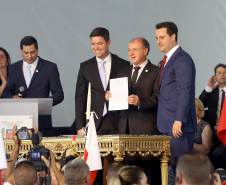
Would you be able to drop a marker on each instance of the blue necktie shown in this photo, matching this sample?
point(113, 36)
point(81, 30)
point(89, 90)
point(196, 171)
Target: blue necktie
point(103, 80)
point(222, 98)
point(28, 75)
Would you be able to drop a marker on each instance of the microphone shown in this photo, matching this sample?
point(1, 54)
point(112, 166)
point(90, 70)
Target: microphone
point(21, 90)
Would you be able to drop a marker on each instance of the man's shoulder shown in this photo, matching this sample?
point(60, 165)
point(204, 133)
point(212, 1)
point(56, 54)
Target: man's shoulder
point(46, 62)
point(16, 64)
point(182, 53)
point(152, 66)
point(87, 62)
point(116, 58)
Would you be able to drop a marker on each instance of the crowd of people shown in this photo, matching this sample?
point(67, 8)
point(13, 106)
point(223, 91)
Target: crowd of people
point(193, 168)
point(161, 101)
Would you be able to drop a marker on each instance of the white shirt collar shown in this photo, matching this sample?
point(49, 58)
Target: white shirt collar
point(223, 89)
point(171, 52)
point(142, 65)
point(32, 64)
point(107, 59)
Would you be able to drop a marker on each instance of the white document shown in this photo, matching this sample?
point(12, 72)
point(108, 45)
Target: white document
point(119, 94)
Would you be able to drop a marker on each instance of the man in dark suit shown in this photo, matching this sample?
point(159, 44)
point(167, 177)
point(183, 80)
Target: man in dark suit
point(141, 117)
point(176, 108)
point(213, 98)
point(98, 71)
point(91, 71)
point(37, 76)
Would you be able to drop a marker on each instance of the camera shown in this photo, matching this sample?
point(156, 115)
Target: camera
point(222, 174)
point(35, 157)
point(23, 133)
point(37, 151)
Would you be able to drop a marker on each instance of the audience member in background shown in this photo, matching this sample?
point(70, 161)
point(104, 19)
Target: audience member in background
point(5, 61)
point(25, 173)
point(129, 175)
point(203, 135)
point(77, 173)
point(113, 169)
point(212, 98)
point(194, 168)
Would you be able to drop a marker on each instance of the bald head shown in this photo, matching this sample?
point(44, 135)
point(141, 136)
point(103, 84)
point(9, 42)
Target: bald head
point(25, 173)
point(77, 173)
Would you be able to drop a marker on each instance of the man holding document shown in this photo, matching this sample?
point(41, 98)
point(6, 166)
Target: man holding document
point(97, 71)
point(141, 116)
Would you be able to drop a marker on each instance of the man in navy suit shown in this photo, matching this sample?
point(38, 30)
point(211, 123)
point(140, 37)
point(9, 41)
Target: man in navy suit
point(176, 108)
point(37, 76)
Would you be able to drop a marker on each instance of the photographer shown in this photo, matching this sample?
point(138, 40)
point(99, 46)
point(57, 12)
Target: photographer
point(13, 156)
point(51, 164)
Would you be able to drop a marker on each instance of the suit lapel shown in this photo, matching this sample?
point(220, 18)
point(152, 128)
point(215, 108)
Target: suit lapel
point(37, 70)
point(21, 74)
point(169, 62)
point(96, 74)
point(129, 74)
point(144, 73)
point(113, 69)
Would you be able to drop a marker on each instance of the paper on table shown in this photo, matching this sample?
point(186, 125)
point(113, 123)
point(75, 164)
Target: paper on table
point(119, 94)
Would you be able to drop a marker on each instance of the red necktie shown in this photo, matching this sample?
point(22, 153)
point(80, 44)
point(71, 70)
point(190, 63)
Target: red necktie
point(163, 64)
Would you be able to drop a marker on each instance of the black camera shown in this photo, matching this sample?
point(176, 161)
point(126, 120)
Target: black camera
point(222, 174)
point(36, 153)
point(35, 157)
point(23, 133)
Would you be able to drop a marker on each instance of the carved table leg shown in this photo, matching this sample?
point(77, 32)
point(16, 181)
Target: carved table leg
point(164, 169)
point(119, 156)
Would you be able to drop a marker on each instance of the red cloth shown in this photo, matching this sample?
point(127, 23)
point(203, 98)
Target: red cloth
point(163, 64)
point(221, 131)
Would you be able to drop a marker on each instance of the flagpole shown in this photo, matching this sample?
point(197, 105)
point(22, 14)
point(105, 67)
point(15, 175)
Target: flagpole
point(88, 105)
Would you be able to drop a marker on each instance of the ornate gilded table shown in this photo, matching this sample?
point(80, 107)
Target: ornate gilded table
point(117, 146)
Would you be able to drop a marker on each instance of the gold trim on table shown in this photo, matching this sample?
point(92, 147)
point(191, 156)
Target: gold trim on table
point(117, 146)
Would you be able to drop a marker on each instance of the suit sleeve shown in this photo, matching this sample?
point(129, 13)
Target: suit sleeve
point(151, 101)
point(9, 90)
point(184, 73)
point(80, 100)
point(204, 98)
point(55, 86)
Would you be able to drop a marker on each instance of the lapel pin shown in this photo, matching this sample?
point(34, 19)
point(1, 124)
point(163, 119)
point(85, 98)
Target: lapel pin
point(146, 70)
point(36, 71)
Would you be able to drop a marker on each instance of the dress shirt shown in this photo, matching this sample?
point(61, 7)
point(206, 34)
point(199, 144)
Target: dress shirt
point(33, 67)
point(140, 70)
point(171, 52)
point(107, 66)
point(209, 90)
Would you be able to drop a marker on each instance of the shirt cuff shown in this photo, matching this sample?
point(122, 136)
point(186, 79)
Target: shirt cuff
point(208, 89)
point(7, 183)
